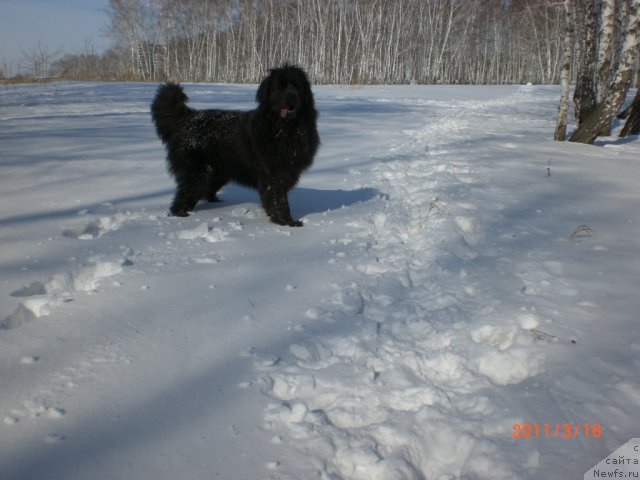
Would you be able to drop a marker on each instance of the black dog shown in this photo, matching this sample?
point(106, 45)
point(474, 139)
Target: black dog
point(266, 149)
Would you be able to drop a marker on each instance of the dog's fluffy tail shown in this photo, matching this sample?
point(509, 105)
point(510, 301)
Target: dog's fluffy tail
point(169, 110)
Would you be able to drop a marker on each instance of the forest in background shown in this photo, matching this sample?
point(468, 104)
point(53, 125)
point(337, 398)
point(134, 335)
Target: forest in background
point(337, 41)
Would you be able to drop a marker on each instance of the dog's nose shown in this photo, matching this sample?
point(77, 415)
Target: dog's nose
point(291, 100)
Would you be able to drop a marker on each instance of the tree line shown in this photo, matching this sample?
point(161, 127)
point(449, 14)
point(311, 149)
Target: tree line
point(341, 41)
point(337, 41)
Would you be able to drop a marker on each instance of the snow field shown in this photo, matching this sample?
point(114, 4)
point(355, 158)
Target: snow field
point(458, 273)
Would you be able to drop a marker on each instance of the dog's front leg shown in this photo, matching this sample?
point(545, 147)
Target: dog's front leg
point(276, 205)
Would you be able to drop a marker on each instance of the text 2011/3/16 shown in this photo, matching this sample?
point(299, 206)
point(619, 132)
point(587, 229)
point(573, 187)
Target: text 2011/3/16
point(556, 430)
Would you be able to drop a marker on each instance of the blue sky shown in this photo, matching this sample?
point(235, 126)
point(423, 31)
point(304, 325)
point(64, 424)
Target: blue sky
point(65, 24)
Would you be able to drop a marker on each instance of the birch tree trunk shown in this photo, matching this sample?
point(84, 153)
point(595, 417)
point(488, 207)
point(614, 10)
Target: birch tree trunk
point(606, 54)
point(604, 112)
point(584, 98)
point(563, 107)
point(606, 47)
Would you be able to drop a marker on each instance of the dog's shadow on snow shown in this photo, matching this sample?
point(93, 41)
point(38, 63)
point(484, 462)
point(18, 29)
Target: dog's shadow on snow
point(306, 201)
point(303, 200)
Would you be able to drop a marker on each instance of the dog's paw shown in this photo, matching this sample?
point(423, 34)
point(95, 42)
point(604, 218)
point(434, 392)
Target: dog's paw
point(175, 212)
point(288, 222)
point(291, 223)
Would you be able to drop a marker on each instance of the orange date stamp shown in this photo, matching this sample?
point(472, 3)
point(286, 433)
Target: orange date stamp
point(556, 430)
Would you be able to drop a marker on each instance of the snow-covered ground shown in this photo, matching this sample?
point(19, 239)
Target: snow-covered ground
point(458, 273)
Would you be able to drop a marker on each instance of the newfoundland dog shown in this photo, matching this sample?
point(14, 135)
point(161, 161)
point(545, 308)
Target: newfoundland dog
point(266, 149)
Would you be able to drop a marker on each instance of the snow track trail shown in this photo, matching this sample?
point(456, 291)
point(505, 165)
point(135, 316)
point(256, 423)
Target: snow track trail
point(420, 386)
point(458, 274)
point(379, 403)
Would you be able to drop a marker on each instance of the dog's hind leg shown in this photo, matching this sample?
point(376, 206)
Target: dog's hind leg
point(186, 198)
point(192, 186)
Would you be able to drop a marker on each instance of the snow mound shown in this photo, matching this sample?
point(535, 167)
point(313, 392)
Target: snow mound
point(40, 298)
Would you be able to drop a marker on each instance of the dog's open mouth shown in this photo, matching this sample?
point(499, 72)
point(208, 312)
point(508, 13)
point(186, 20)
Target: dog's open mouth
point(287, 111)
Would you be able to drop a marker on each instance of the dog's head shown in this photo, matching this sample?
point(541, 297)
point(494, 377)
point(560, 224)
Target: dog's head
point(286, 92)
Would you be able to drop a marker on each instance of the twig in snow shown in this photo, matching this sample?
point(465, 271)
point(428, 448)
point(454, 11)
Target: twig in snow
point(435, 205)
point(581, 232)
point(539, 335)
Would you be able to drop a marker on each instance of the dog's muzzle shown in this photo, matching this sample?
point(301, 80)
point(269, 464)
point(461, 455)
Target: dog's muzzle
point(291, 105)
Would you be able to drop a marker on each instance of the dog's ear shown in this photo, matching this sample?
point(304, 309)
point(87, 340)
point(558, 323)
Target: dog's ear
point(264, 90)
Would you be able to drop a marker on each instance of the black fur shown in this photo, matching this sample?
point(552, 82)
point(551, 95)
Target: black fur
point(266, 149)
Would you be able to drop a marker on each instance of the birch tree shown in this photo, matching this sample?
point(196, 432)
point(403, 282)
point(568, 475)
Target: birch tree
point(584, 98)
point(38, 61)
point(613, 97)
point(606, 48)
point(132, 23)
point(563, 107)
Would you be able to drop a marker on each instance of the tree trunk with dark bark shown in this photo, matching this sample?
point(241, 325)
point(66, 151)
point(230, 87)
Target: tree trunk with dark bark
point(632, 125)
point(584, 98)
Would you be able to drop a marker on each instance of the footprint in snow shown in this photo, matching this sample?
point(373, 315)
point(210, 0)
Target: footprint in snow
point(349, 301)
point(29, 359)
point(538, 281)
point(99, 226)
point(39, 298)
point(54, 438)
point(10, 420)
point(469, 230)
